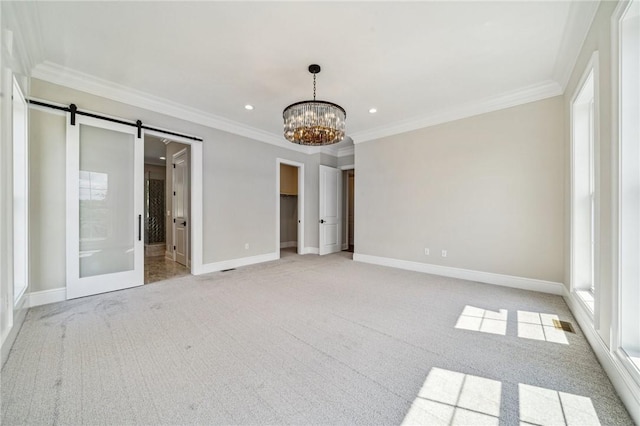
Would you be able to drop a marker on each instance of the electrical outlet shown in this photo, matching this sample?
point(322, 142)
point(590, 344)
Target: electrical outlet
point(246, 246)
point(444, 253)
point(426, 252)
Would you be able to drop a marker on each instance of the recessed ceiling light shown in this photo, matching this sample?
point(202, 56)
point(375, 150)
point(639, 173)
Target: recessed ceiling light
point(373, 111)
point(248, 107)
point(163, 158)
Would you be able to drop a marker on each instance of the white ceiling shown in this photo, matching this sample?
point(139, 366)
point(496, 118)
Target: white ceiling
point(410, 60)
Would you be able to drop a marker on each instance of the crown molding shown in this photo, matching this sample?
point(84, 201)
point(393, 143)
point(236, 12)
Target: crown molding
point(337, 150)
point(579, 20)
point(346, 151)
point(63, 76)
point(329, 150)
point(536, 92)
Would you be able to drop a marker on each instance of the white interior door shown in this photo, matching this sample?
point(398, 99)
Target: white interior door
point(104, 207)
point(181, 207)
point(329, 210)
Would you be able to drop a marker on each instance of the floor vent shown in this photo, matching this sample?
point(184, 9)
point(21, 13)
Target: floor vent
point(227, 270)
point(563, 325)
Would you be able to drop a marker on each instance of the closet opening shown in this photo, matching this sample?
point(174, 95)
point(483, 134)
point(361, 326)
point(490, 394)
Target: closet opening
point(348, 209)
point(290, 208)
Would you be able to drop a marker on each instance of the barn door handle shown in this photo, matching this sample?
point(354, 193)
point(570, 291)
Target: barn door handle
point(139, 227)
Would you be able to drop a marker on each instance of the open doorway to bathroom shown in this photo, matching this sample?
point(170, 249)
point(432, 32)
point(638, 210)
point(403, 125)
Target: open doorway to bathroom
point(160, 261)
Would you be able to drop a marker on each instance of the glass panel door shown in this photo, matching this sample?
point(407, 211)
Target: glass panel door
point(104, 207)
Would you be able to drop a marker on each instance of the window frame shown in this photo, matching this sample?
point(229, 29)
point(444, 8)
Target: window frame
point(631, 367)
point(20, 193)
point(591, 71)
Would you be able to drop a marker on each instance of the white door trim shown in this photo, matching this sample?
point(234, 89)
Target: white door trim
point(196, 230)
point(300, 166)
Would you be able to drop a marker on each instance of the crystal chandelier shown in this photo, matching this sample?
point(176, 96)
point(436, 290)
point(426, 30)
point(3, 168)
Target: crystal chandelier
point(314, 123)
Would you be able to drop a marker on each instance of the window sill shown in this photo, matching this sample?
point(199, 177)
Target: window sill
point(586, 300)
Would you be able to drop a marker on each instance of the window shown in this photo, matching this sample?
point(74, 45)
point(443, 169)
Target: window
point(584, 134)
point(629, 191)
point(20, 194)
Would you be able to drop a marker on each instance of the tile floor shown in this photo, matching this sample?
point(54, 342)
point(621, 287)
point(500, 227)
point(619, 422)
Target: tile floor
point(159, 268)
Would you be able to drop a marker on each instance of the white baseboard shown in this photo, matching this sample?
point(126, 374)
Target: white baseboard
point(627, 388)
point(311, 250)
point(9, 337)
point(45, 297)
point(236, 263)
point(465, 274)
point(288, 244)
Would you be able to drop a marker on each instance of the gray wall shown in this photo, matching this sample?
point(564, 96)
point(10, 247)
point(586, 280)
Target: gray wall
point(488, 189)
point(347, 160)
point(153, 171)
point(47, 203)
point(239, 185)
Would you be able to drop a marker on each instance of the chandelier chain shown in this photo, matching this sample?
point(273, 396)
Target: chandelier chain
point(314, 87)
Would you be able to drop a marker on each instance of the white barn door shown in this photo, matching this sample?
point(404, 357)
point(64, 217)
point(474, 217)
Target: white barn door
point(104, 207)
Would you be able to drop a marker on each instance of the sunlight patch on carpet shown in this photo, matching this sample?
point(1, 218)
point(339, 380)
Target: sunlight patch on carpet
point(453, 398)
point(483, 320)
point(538, 326)
point(448, 397)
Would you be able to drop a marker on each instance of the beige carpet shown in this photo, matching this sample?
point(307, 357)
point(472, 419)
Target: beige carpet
point(306, 340)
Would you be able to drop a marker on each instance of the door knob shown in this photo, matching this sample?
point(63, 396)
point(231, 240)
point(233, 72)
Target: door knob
point(321, 220)
point(184, 223)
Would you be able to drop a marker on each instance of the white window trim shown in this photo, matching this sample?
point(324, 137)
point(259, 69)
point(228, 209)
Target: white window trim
point(621, 356)
point(592, 66)
point(20, 184)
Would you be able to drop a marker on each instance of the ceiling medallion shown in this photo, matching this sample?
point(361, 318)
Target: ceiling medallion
point(314, 123)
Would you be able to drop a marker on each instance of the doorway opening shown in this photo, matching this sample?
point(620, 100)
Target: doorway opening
point(290, 208)
point(166, 209)
point(348, 209)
